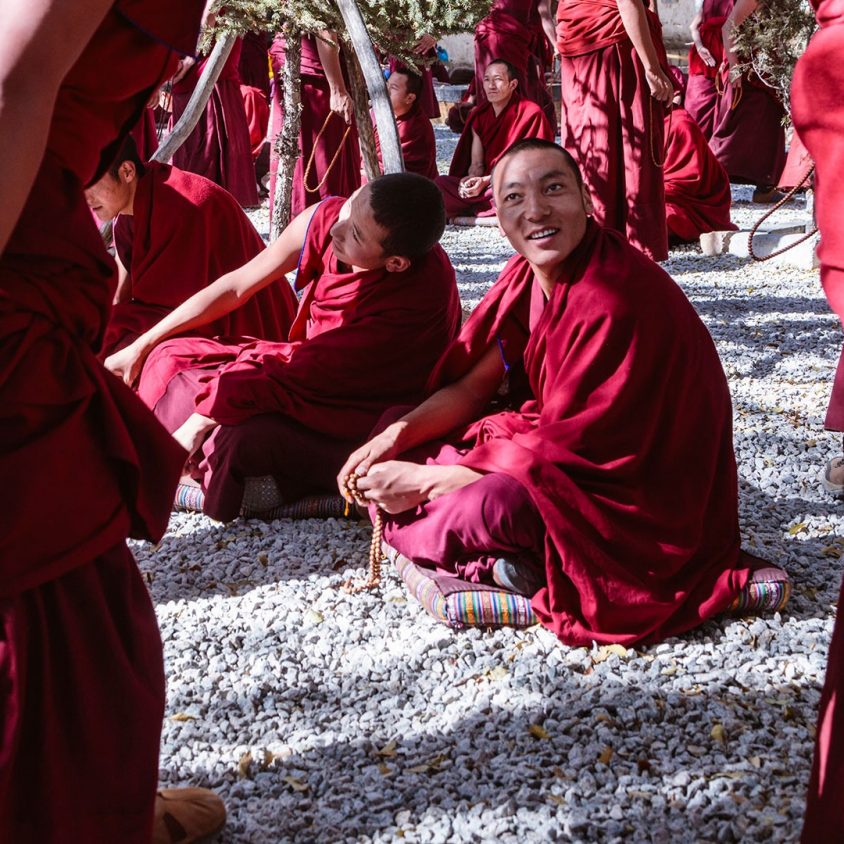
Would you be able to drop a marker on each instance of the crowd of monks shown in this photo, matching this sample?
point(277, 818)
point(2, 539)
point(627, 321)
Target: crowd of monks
point(542, 447)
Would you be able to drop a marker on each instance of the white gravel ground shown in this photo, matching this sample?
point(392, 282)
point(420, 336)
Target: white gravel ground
point(323, 717)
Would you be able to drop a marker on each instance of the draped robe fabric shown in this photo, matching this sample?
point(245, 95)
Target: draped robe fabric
point(257, 112)
point(418, 143)
point(519, 119)
point(428, 98)
point(704, 89)
point(697, 189)
point(218, 147)
point(80, 656)
point(611, 124)
point(628, 394)
point(185, 233)
point(817, 95)
point(361, 342)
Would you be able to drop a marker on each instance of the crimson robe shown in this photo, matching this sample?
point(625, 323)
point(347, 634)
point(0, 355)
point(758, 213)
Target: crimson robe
point(519, 119)
point(610, 122)
point(427, 98)
point(627, 392)
point(218, 147)
point(798, 163)
point(361, 342)
point(254, 65)
point(418, 144)
point(817, 95)
point(145, 135)
point(257, 112)
point(185, 233)
point(697, 189)
point(80, 659)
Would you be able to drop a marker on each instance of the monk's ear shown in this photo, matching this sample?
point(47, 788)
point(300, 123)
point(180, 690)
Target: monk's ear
point(128, 172)
point(588, 207)
point(396, 264)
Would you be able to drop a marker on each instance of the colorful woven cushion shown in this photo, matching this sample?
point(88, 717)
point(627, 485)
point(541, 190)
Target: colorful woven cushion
point(768, 590)
point(458, 603)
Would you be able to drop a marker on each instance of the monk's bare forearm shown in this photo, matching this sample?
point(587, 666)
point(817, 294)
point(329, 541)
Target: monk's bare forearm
point(546, 15)
point(740, 12)
point(635, 23)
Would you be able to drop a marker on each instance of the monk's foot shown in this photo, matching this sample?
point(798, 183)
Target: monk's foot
point(186, 815)
point(516, 576)
point(832, 477)
point(767, 195)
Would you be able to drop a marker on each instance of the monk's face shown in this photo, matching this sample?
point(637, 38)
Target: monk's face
point(541, 208)
point(401, 100)
point(111, 196)
point(498, 85)
point(356, 237)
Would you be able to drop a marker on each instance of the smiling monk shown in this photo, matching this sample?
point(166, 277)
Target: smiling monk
point(575, 398)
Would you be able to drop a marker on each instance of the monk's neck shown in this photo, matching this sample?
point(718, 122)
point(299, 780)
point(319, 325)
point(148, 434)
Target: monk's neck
point(497, 108)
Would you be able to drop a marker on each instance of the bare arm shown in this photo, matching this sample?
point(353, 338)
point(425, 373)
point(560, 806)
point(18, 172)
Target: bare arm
point(635, 22)
point(546, 15)
point(741, 11)
point(39, 42)
point(124, 283)
point(694, 28)
point(329, 56)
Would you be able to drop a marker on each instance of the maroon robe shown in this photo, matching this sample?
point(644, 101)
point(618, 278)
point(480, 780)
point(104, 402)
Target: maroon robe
point(145, 135)
point(697, 189)
point(519, 119)
point(185, 233)
point(428, 98)
point(610, 122)
point(361, 342)
point(798, 164)
point(218, 147)
point(628, 391)
point(418, 143)
point(817, 94)
point(342, 178)
point(80, 655)
point(254, 65)
point(257, 112)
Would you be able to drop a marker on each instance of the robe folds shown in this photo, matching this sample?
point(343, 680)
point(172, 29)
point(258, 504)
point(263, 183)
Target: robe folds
point(185, 233)
point(77, 623)
point(610, 122)
point(697, 189)
point(817, 94)
point(628, 391)
point(218, 147)
point(418, 144)
point(257, 111)
point(428, 98)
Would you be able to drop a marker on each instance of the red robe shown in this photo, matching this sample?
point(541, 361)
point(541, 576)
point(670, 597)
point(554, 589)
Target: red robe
point(704, 90)
point(817, 94)
point(611, 124)
point(218, 147)
point(254, 65)
point(428, 98)
point(185, 233)
point(418, 144)
point(80, 659)
point(629, 392)
point(145, 134)
point(519, 119)
point(697, 189)
point(257, 111)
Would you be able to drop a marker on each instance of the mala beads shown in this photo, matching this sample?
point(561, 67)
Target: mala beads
point(350, 486)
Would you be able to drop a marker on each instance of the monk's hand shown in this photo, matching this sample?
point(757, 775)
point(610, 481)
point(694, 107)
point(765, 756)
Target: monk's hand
point(128, 362)
point(341, 103)
point(660, 85)
point(395, 485)
point(384, 446)
point(472, 186)
point(193, 432)
point(706, 57)
point(183, 67)
point(425, 43)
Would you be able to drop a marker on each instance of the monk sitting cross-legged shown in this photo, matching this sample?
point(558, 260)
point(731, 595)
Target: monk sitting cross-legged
point(175, 233)
point(573, 488)
point(379, 306)
point(505, 118)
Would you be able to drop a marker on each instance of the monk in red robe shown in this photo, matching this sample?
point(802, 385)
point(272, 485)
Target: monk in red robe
point(379, 305)
point(175, 233)
point(614, 88)
point(426, 49)
point(81, 667)
point(706, 56)
point(416, 134)
point(329, 164)
point(218, 147)
point(817, 102)
point(506, 117)
point(571, 487)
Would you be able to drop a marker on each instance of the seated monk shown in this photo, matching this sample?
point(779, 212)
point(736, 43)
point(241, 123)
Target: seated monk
point(416, 134)
point(697, 188)
point(175, 233)
point(574, 486)
point(490, 128)
point(379, 306)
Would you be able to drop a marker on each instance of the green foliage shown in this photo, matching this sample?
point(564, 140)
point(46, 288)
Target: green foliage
point(772, 39)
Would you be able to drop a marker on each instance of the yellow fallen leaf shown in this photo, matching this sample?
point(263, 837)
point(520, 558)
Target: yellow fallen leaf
point(717, 733)
point(263, 559)
point(669, 670)
point(418, 769)
point(538, 731)
point(385, 769)
point(831, 551)
point(755, 761)
point(182, 716)
point(606, 651)
point(498, 673)
point(314, 617)
point(387, 750)
point(606, 756)
point(296, 784)
point(267, 760)
point(245, 764)
point(602, 716)
point(795, 529)
point(556, 799)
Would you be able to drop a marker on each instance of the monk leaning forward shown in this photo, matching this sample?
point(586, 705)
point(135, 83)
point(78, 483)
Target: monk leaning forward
point(175, 233)
point(379, 305)
point(574, 486)
point(490, 129)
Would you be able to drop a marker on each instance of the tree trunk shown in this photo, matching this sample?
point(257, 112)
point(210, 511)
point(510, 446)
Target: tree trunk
point(360, 97)
point(362, 44)
point(198, 99)
point(287, 142)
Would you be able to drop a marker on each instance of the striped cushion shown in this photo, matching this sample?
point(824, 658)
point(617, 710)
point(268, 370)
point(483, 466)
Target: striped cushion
point(768, 590)
point(462, 604)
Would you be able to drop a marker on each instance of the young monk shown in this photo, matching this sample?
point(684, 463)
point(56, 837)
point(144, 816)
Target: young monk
point(706, 57)
point(81, 668)
point(379, 306)
point(607, 387)
point(175, 233)
point(490, 128)
point(614, 89)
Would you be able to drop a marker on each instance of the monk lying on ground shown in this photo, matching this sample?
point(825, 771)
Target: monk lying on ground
point(379, 307)
point(574, 485)
point(175, 233)
point(490, 128)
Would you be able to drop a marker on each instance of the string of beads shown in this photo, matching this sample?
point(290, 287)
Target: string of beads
point(350, 487)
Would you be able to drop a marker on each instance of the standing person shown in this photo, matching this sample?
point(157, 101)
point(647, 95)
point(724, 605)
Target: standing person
point(817, 103)
point(706, 55)
point(614, 92)
point(81, 669)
